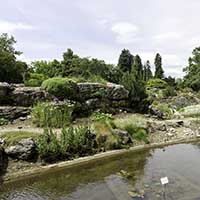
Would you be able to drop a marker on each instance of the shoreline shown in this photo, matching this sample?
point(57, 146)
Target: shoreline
point(38, 171)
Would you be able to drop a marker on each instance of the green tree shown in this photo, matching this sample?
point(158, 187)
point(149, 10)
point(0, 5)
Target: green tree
point(192, 77)
point(149, 74)
point(7, 44)
point(125, 61)
point(11, 70)
point(137, 67)
point(159, 72)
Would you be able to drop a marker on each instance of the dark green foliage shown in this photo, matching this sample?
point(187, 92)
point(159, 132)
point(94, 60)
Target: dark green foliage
point(137, 67)
point(11, 70)
point(52, 115)
point(60, 87)
point(159, 72)
point(169, 92)
point(125, 61)
point(147, 73)
point(7, 44)
point(193, 71)
point(48, 69)
point(136, 88)
point(171, 81)
point(157, 83)
point(73, 142)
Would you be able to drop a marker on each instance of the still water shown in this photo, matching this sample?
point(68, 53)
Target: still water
point(128, 176)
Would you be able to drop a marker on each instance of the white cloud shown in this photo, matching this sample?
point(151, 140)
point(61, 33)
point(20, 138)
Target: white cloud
point(165, 37)
point(125, 32)
point(10, 27)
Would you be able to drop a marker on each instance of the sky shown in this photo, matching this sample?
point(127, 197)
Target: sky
point(44, 29)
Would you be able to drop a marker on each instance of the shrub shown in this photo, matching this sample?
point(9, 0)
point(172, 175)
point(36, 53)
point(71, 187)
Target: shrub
point(157, 83)
point(169, 91)
point(73, 142)
point(35, 80)
point(165, 108)
point(52, 115)
point(61, 87)
point(3, 121)
point(137, 133)
point(98, 116)
point(105, 138)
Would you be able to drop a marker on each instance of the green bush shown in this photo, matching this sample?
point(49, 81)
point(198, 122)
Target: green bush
point(157, 83)
point(61, 87)
point(35, 80)
point(169, 92)
point(52, 115)
point(137, 133)
point(3, 121)
point(73, 142)
point(98, 116)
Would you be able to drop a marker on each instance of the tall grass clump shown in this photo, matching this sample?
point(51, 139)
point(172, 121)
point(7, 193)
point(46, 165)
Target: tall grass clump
point(52, 115)
point(135, 125)
point(73, 142)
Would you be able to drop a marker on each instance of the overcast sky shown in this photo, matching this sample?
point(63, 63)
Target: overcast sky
point(44, 29)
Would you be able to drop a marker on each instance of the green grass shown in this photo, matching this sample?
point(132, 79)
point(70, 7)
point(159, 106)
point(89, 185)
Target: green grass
point(51, 115)
point(13, 137)
point(136, 120)
point(135, 125)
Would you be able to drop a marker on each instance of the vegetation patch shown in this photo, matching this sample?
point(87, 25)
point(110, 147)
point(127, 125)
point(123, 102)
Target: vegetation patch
point(61, 87)
point(52, 115)
point(73, 142)
point(191, 111)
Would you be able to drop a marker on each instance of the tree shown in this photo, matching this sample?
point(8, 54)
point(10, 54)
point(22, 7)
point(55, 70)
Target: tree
point(149, 74)
point(137, 91)
point(192, 78)
point(137, 67)
point(11, 70)
point(7, 44)
point(159, 72)
point(125, 61)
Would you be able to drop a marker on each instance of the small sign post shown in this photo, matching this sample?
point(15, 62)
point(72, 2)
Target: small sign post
point(164, 181)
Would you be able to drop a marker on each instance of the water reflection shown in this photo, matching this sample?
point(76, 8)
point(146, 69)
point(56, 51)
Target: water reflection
point(119, 178)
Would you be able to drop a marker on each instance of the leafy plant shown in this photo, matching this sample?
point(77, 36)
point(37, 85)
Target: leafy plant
point(73, 142)
point(52, 115)
point(98, 116)
point(157, 83)
point(3, 121)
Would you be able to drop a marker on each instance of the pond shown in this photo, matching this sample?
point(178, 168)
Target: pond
point(133, 175)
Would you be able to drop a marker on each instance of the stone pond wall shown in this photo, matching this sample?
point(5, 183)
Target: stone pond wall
point(16, 100)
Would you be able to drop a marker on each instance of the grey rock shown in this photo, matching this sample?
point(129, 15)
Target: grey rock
point(23, 150)
point(27, 96)
point(117, 92)
point(123, 136)
point(12, 113)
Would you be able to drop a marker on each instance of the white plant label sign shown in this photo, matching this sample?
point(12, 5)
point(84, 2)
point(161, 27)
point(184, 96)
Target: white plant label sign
point(164, 180)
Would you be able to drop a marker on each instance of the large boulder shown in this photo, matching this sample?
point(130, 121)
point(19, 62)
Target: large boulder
point(117, 92)
point(27, 96)
point(12, 113)
point(5, 91)
point(23, 150)
point(92, 90)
